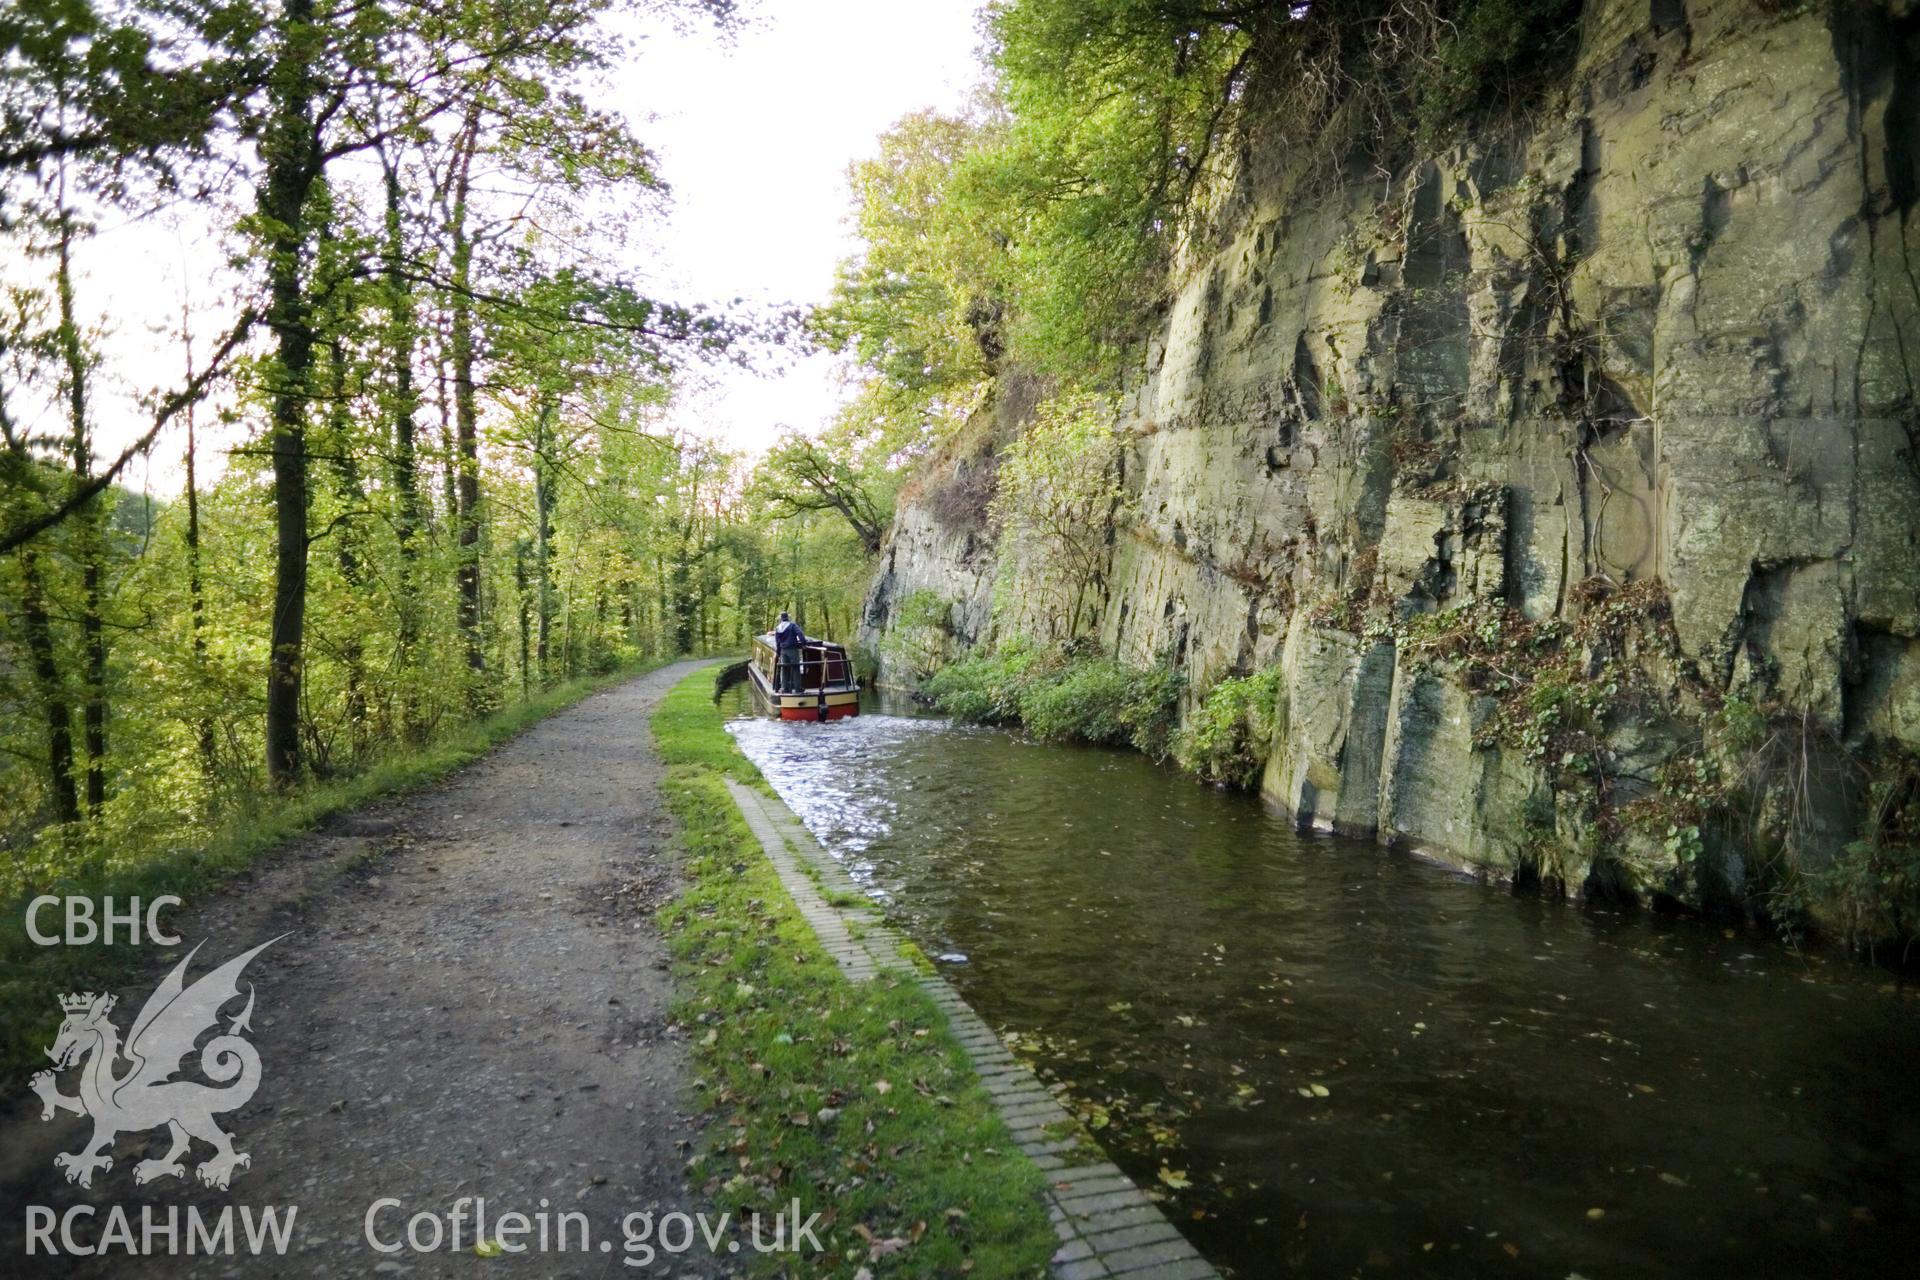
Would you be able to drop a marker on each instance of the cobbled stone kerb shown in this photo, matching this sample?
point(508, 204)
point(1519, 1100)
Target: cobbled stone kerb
point(1107, 1226)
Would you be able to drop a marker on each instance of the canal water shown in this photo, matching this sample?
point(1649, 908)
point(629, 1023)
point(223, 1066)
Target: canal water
point(1335, 1060)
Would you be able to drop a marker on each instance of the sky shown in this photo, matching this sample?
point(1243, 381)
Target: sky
point(754, 133)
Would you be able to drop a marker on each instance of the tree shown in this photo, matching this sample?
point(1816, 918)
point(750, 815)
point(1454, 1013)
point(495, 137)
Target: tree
point(489, 64)
point(143, 84)
point(77, 368)
point(801, 475)
point(292, 157)
point(27, 485)
point(921, 304)
point(1059, 492)
point(400, 404)
point(325, 553)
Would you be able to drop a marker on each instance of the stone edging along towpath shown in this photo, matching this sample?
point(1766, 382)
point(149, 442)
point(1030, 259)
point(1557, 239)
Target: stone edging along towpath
point(1107, 1226)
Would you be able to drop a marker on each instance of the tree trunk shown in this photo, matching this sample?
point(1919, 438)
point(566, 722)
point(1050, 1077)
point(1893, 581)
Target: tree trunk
point(683, 602)
point(520, 583)
point(597, 630)
point(543, 528)
point(449, 448)
point(196, 592)
point(402, 467)
point(291, 152)
point(466, 424)
point(664, 603)
point(46, 674)
point(90, 532)
point(346, 544)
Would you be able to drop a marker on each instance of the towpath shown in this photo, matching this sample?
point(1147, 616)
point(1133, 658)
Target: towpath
point(471, 1000)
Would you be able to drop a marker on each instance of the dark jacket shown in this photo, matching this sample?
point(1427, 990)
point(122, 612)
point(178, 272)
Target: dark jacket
point(788, 636)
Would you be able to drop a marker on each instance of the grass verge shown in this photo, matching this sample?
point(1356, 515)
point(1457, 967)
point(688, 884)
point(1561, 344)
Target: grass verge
point(31, 975)
point(856, 1099)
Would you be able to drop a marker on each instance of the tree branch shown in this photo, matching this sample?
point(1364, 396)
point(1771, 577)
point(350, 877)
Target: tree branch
point(171, 405)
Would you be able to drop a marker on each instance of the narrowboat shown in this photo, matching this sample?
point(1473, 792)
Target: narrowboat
point(826, 687)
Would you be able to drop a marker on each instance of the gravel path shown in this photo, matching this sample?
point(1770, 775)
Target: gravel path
point(472, 1001)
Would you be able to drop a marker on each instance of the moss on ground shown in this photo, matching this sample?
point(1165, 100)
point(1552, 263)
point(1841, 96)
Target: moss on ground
point(855, 1099)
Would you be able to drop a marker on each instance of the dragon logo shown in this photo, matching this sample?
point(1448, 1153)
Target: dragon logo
point(145, 1096)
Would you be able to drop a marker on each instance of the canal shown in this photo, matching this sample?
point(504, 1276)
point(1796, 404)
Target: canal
point(1337, 1060)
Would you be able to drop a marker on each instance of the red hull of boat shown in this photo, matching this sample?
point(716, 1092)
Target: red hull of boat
point(813, 713)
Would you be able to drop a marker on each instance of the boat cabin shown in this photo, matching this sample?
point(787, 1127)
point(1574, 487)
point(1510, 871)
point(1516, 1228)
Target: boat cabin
point(823, 686)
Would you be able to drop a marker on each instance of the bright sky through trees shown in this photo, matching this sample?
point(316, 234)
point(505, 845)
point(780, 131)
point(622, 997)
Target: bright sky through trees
point(754, 133)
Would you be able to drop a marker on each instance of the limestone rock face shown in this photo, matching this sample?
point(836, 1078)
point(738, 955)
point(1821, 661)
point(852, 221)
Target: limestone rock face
point(1331, 728)
point(1667, 335)
point(924, 555)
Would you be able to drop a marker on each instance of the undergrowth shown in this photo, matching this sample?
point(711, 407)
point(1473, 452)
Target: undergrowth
point(1227, 738)
point(854, 1099)
point(1066, 694)
point(1072, 694)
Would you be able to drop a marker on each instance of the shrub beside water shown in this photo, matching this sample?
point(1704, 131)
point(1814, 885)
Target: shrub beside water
point(984, 688)
point(1064, 696)
point(1076, 695)
point(1229, 735)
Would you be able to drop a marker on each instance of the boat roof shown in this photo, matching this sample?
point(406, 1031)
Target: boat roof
point(766, 637)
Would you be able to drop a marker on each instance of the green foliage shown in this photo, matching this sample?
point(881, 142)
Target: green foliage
point(1040, 225)
point(1227, 738)
point(1092, 700)
point(919, 307)
point(1064, 696)
point(1495, 53)
point(1119, 111)
point(1739, 726)
point(1058, 492)
point(1683, 843)
point(985, 686)
point(1872, 890)
point(918, 634)
point(801, 475)
point(792, 1054)
point(1046, 226)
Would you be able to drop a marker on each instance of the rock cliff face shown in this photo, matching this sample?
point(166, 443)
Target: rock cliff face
point(1656, 352)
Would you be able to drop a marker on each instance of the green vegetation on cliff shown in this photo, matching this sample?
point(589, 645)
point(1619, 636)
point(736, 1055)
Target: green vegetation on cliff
point(1040, 229)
